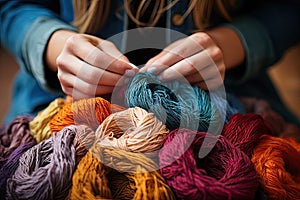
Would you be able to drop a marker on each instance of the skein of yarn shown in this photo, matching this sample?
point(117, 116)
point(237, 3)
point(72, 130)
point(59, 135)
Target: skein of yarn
point(126, 175)
point(225, 173)
point(90, 112)
point(276, 160)
point(39, 126)
point(13, 135)
point(175, 104)
point(133, 130)
point(45, 170)
point(11, 165)
point(89, 180)
point(245, 130)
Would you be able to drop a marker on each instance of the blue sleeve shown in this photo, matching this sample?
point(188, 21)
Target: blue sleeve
point(266, 33)
point(25, 28)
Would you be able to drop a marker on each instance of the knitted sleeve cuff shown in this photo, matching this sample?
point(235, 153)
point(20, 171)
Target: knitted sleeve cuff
point(34, 47)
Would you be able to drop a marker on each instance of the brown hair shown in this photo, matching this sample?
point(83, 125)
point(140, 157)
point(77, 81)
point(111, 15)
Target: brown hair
point(90, 15)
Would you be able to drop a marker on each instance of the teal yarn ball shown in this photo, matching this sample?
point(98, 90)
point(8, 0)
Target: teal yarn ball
point(178, 105)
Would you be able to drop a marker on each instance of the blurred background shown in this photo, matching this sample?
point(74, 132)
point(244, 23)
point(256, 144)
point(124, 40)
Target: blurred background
point(285, 75)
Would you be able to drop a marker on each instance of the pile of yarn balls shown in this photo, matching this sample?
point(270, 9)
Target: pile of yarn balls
point(148, 149)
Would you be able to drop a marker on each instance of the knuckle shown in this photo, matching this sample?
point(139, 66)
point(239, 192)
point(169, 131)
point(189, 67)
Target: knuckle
point(201, 38)
point(72, 41)
point(107, 44)
point(92, 57)
point(180, 53)
point(222, 70)
point(191, 65)
point(60, 61)
point(61, 77)
point(216, 53)
point(66, 90)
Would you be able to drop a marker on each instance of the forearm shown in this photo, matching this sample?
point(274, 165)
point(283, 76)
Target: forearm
point(265, 35)
point(16, 20)
point(25, 30)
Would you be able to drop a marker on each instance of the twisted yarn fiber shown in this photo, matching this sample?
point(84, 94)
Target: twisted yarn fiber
point(89, 180)
point(11, 165)
point(225, 173)
point(45, 171)
point(39, 126)
point(13, 135)
point(90, 112)
point(125, 175)
point(175, 104)
point(133, 130)
point(244, 131)
point(276, 160)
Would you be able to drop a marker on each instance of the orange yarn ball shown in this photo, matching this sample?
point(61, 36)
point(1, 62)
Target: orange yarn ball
point(276, 160)
point(90, 112)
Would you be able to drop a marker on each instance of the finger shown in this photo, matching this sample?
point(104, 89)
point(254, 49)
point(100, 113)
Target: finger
point(86, 72)
point(75, 94)
point(85, 48)
point(206, 73)
point(109, 48)
point(112, 50)
point(195, 78)
point(173, 54)
point(164, 51)
point(71, 83)
point(90, 89)
point(104, 61)
point(210, 78)
point(186, 67)
point(211, 84)
point(155, 67)
point(66, 81)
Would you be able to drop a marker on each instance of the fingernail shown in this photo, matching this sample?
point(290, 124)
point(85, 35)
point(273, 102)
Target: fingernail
point(129, 72)
point(133, 65)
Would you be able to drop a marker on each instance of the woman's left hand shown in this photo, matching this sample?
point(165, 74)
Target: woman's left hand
point(197, 59)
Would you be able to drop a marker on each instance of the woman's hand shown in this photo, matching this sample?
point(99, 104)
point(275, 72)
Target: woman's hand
point(88, 66)
point(198, 58)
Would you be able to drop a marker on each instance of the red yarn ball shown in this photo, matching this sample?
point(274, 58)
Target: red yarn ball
point(244, 131)
point(225, 173)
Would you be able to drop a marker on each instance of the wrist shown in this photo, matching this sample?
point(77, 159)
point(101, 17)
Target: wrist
point(230, 44)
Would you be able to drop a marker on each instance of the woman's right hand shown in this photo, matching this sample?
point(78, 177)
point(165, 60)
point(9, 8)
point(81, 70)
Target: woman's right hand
point(87, 66)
